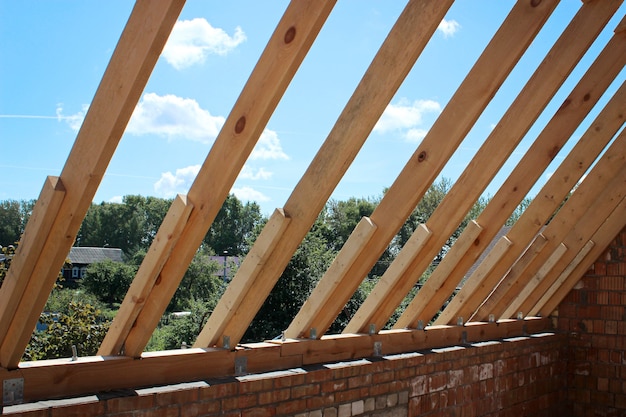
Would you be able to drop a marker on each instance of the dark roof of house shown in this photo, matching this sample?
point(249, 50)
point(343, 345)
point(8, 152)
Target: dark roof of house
point(84, 255)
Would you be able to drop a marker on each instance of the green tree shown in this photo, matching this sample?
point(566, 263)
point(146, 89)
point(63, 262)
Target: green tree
point(13, 217)
point(233, 227)
point(199, 284)
point(108, 280)
point(82, 327)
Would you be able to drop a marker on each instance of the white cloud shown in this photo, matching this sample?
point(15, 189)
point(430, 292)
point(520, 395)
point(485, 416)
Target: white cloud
point(415, 135)
point(406, 116)
point(268, 147)
point(448, 27)
point(171, 184)
point(75, 120)
point(249, 194)
point(116, 199)
point(248, 173)
point(192, 40)
point(174, 117)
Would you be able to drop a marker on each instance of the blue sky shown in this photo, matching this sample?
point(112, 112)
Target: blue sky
point(53, 54)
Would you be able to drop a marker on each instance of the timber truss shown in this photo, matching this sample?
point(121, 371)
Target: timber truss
point(513, 290)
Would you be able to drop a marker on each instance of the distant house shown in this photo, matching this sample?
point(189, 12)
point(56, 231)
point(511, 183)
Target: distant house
point(81, 257)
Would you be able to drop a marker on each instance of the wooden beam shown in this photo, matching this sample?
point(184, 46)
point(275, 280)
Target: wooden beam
point(275, 69)
point(35, 235)
point(542, 151)
point(595, 191)
point(147, 275)
point(602, 238)
point(537, 93)
point(517, 304)
point(243, 282)
point(548, 199)
point(322, 293)
point(140, 45)
point(392, 63)
point(440, 143)
point(563, 276)
point(492, 258)
point(576, 237)
point(469, 237)
point(48, 379)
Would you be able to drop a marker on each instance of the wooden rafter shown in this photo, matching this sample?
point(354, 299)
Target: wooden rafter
point(528, 243)
point(279, 62)
point(437, 147)
point(497, 147)
point(392, 63)
point(123, 82)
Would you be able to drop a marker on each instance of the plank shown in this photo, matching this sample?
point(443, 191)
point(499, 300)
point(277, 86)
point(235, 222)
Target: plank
point(301, 324)
point(551, 73)
point(124, 80)
point(440, 143)
point(241, 284)
point(388, 69)
point(36, 232)
point(595, 192)
point(485, 267)
point(602, 238)
point(563, 276)
point(517, 305)
point(267, 83)
point(148, 273)
point(584, 153)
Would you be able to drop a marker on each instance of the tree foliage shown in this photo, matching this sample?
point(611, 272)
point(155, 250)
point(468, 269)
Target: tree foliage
point(108, 280)
point(81, 326)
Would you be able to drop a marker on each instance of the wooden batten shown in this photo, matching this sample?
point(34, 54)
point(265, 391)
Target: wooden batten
point(243, 127)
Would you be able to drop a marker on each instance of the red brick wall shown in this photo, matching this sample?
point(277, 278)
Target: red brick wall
point(594, 314)
point(515, 377)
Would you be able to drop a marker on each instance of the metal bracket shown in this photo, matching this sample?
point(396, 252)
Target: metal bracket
point(313, 333)
point(13, 391)
point(241, 365)
point(420, 325)
point(459, 321)
point(372, 329)
point(226, 342)
point(492, 318)
point(378, 348)
point(464, 337)
point(520, 316)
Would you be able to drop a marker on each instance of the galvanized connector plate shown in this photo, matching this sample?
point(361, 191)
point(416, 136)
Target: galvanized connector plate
point(13, 391)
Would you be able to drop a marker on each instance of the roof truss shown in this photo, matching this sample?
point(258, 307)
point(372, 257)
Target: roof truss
point(527, 273)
